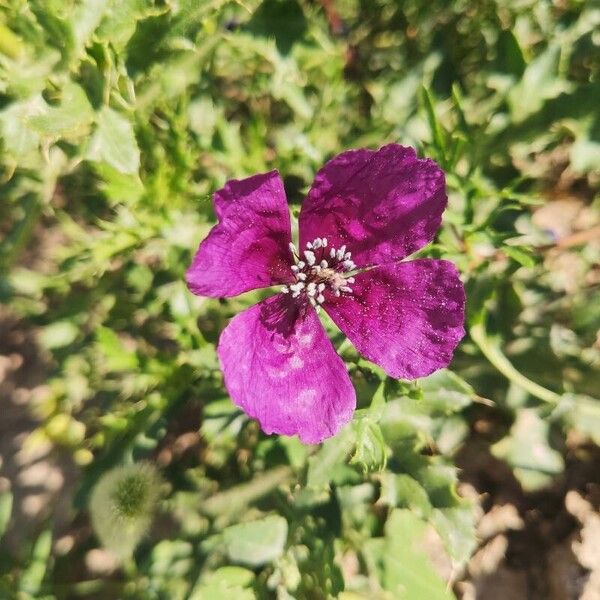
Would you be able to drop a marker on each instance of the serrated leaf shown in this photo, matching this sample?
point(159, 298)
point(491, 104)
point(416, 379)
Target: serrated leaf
point(70, 117)
point(257, 542)
point(114, 142)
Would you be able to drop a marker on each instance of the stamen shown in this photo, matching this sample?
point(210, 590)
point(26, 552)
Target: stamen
point(340, 253)
point(314, 279)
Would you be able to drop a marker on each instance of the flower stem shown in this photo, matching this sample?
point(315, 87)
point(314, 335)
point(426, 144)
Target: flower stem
point(492, 352)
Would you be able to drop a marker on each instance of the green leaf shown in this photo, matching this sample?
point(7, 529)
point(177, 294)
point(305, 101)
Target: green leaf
point(540, 82)
point(71, 117)
point(370, 451)
point(257, 542)
point(333, 453)
point(86, 19)
point(445, 392)
point(404, 569)
point(527, 450)
point(226, 583)
point(114, 143)
point(583, 414)
point(279, 19)
point(117, 357)
point(520, 255)
point(59, 334)
point(403, 491)
point(33, 577)
point(19, 139)
point(456, 526)
point(6, 503)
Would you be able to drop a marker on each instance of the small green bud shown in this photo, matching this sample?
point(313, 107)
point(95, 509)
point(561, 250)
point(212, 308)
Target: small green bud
point(122, 506)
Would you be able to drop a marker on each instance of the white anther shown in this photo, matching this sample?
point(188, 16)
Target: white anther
point(301, 264)
point(311, 288)
point(297, 287)
point(332, 253)
point(337, 293)
point(340, 253)
point(350, 280)
point(349, 265)
point(317, 244)
point(347, 255)
point(345, 288)
point(309, 245)
point(292, 248)
point(285, 289)
point(316, 269)
point(321, 287)
point(295, 268)
point(324, 264)
point(310, 257)
point(320, 298)
point(324, 242)
point(301, 276)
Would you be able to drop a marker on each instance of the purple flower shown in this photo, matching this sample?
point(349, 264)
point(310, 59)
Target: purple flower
point(366, 211)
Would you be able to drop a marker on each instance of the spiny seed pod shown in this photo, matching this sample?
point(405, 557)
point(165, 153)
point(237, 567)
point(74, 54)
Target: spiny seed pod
point(122, 506)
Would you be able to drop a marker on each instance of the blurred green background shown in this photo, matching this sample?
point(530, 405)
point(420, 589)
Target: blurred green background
point(125, 470)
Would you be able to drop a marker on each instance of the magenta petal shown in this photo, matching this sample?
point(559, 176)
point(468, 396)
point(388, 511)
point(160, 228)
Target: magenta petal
point(406, 317)
point(383, 205)
point(248, 248)
point(281, 369)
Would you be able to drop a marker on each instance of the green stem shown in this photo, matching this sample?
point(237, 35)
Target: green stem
point(17, 239)
point(239, 496)
point(493, 353)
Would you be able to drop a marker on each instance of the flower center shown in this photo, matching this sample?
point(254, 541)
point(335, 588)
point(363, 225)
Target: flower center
point(319, 269)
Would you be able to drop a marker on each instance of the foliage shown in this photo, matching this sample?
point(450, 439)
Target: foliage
point(118, 119)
